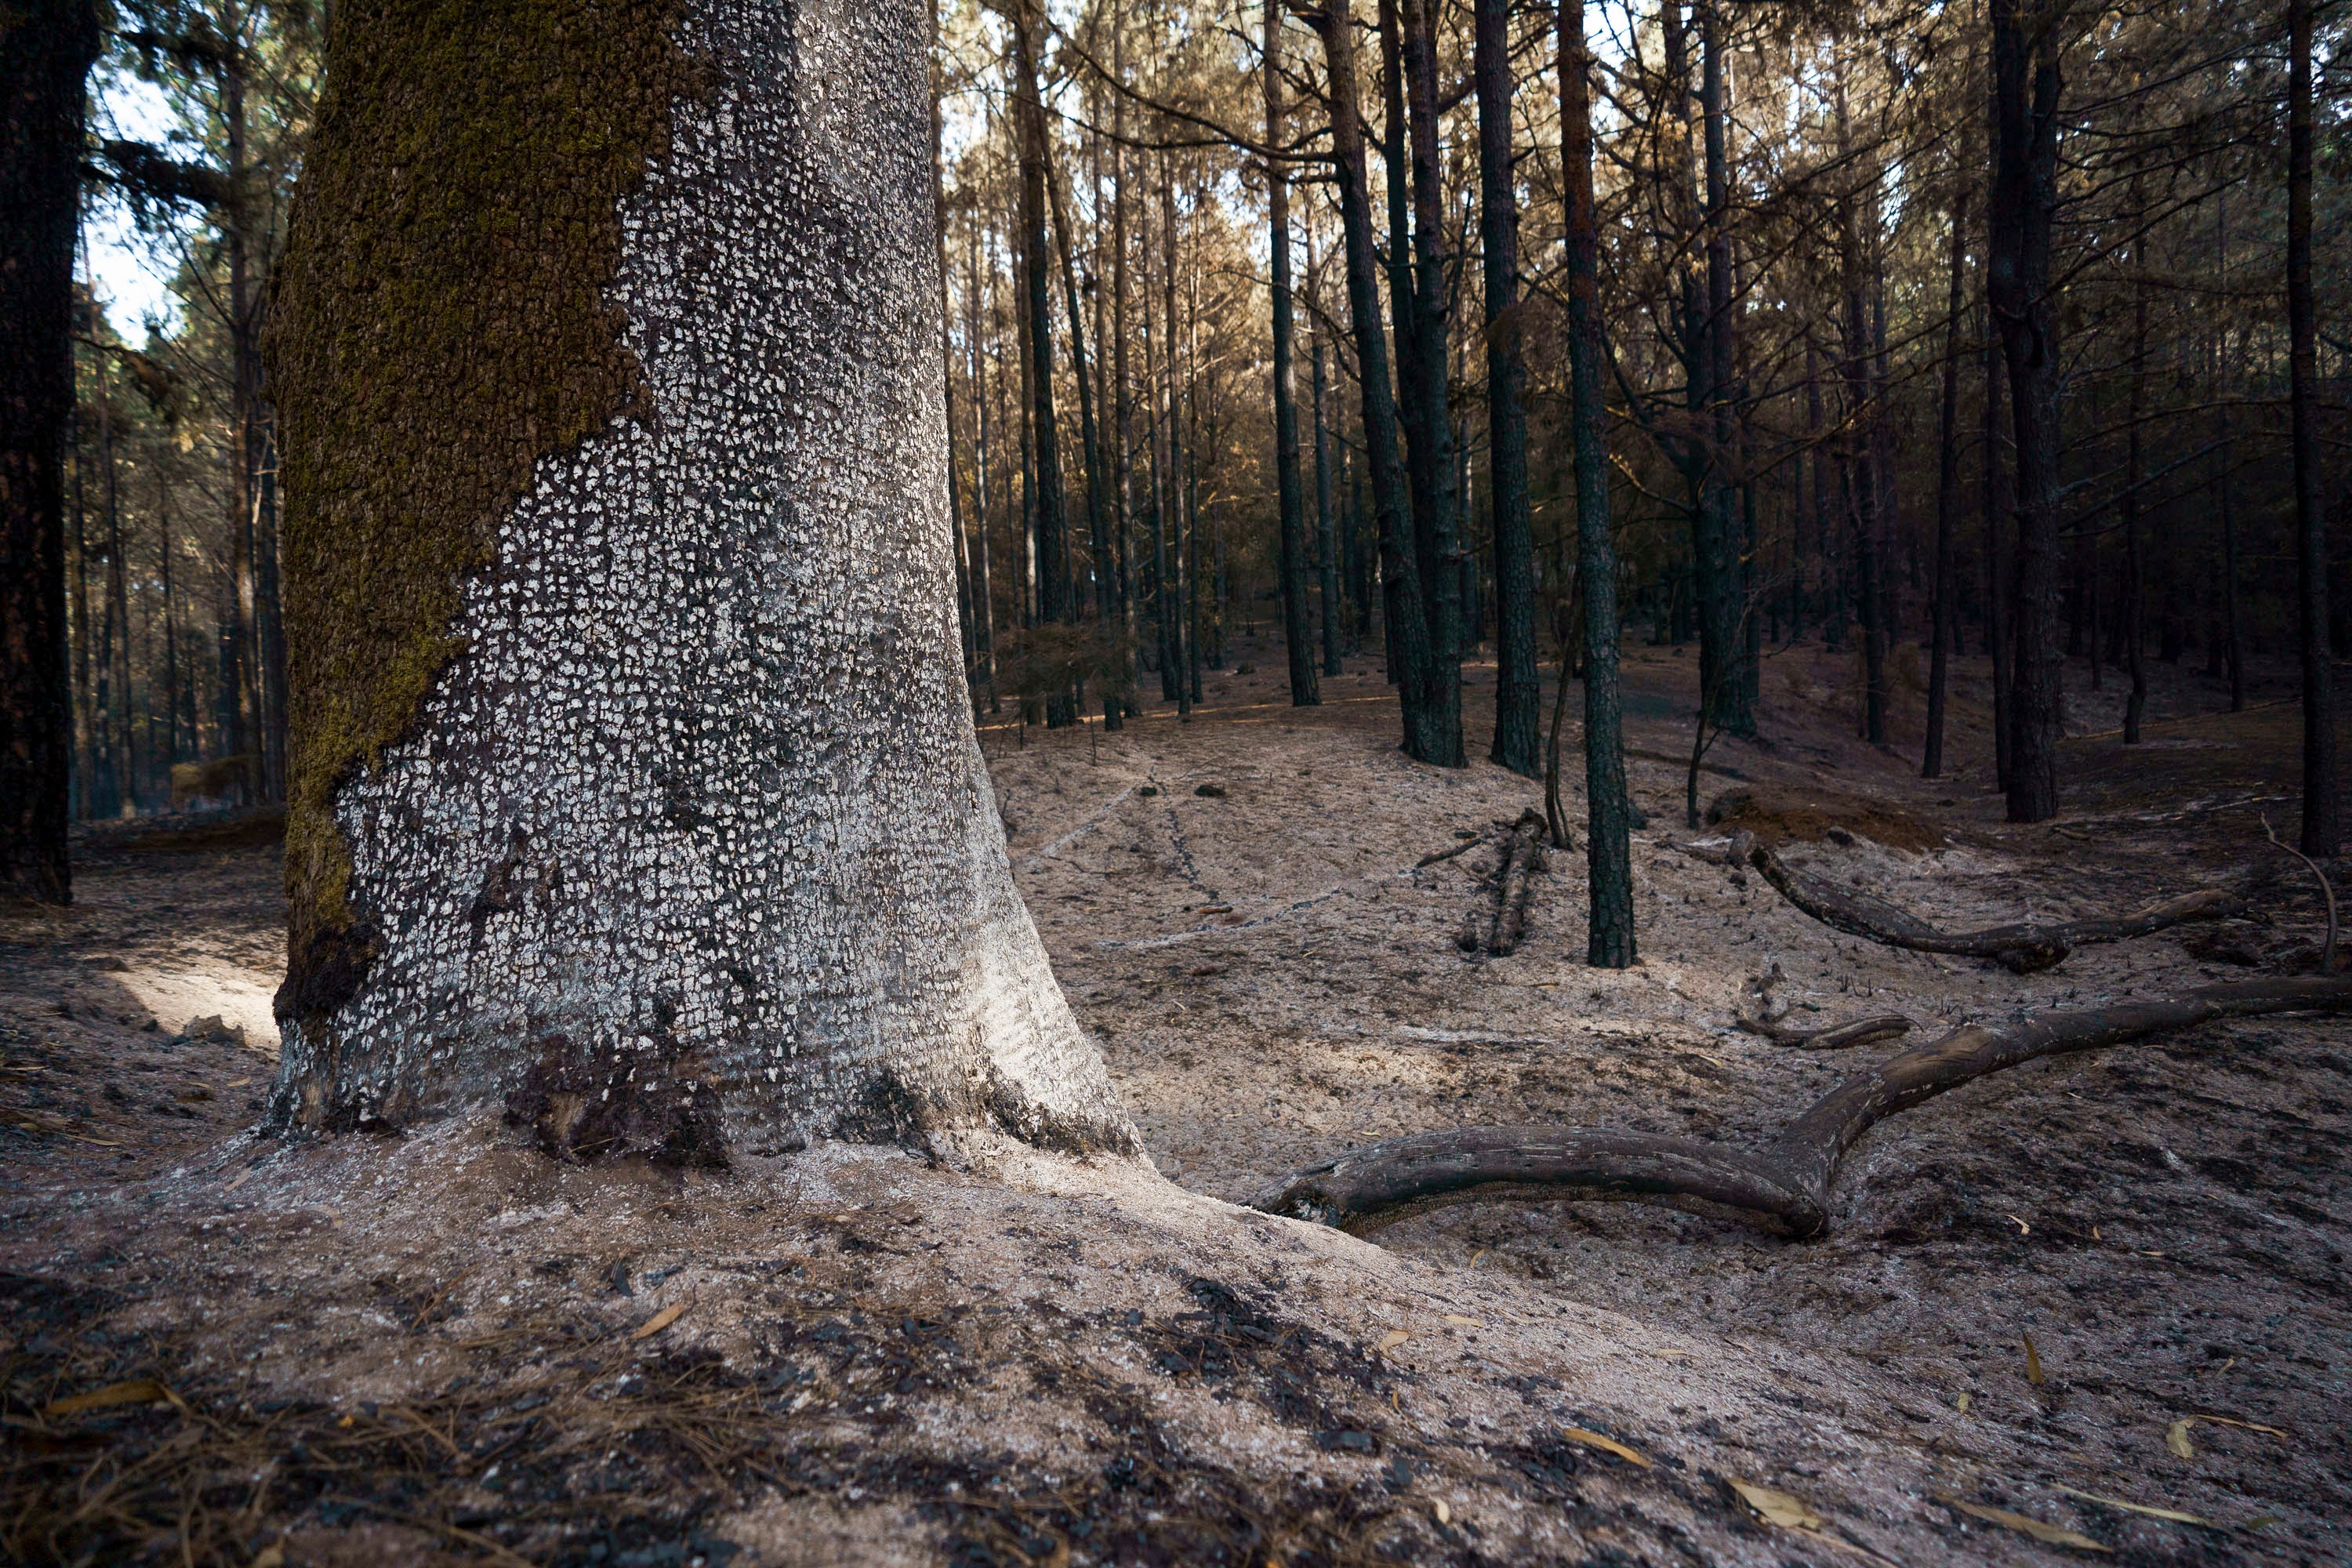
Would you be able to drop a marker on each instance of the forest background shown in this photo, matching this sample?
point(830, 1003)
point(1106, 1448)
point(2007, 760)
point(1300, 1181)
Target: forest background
point(1791, 212)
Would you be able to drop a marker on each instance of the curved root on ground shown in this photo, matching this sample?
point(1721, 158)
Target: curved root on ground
point(2024, 948)
point(1786, 1183)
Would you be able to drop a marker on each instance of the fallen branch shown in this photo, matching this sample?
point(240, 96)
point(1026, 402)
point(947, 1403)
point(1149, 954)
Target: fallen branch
point(2328, 949)
point(1788, 1182)
point(1496, 928)
point(1434, 856)
point(2024, 948)
point(1837, 1037)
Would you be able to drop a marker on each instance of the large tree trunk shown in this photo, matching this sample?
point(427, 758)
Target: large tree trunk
point(1297, 629)
point(46, 48)
point(2322, 830)
point(1518, 687)
point(2023, 208)
point(636, 788)
point(1609, 942)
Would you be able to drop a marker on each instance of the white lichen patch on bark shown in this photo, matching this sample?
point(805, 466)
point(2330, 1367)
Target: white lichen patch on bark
point(693, 845)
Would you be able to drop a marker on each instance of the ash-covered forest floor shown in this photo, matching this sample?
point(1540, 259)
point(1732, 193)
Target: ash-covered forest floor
point(442, 1348)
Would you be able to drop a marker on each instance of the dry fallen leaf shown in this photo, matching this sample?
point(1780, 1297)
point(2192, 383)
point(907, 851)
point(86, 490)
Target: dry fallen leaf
point(1778, 1507)
point(1466, 1323)
point(2175, 1437)
point(2173, 1514)
point(1606, 1444)
point(1391, 1339)
point(660, 1321)
point(1444, 1514)
point(2033, 1362)
point(2051, 1535)
point(138, 1391)
point(1962, 1403)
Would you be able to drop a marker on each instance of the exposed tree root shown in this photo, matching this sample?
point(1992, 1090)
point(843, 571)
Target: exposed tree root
point(2024, 947)
point(1837, 1037)
point(1788, 1182)
point(1497, 928)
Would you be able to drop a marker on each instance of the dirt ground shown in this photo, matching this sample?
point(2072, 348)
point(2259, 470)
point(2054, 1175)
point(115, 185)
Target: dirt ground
point(441, 1348)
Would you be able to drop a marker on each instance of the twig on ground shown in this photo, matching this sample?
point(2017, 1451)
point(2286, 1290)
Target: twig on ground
point(2328, 949)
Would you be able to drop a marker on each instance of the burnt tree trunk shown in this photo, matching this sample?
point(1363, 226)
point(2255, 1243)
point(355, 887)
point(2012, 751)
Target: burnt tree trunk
point(45, 49)
point(1518, 687)
point(1946, 625)
point(2322, 830)
point(636, 789)
point(1052, 606)
point(2023, 207)
point(1297, 629)
point(1407, 626)
point(1609, 942)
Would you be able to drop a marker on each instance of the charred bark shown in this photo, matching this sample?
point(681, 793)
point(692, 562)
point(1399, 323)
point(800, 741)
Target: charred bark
point(1610, 941)
point(1517, 688)
point(46, 51)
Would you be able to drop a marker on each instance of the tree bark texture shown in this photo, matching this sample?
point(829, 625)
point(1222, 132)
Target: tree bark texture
point(45, 49)
point(673, 835)
point(1518, 726)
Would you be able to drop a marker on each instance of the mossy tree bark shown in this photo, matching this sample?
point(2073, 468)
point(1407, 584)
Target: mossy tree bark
point(45, 49)
point(635, 786)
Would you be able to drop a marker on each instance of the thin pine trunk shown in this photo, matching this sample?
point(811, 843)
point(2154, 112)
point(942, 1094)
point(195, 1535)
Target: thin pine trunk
point(1518, 723)
point(2322, 811)
point(1298, 632)
point(1946, 625)
point(1610, 941)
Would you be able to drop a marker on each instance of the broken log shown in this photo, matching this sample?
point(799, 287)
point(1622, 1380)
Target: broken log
point(1787, 1183)
point(1495, 927)
point(2024, 948)
point(1836, 1037)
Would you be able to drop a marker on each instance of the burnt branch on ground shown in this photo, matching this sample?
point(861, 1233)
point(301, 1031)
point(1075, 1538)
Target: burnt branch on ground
point(1788, 1182)
point(2024, 948)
